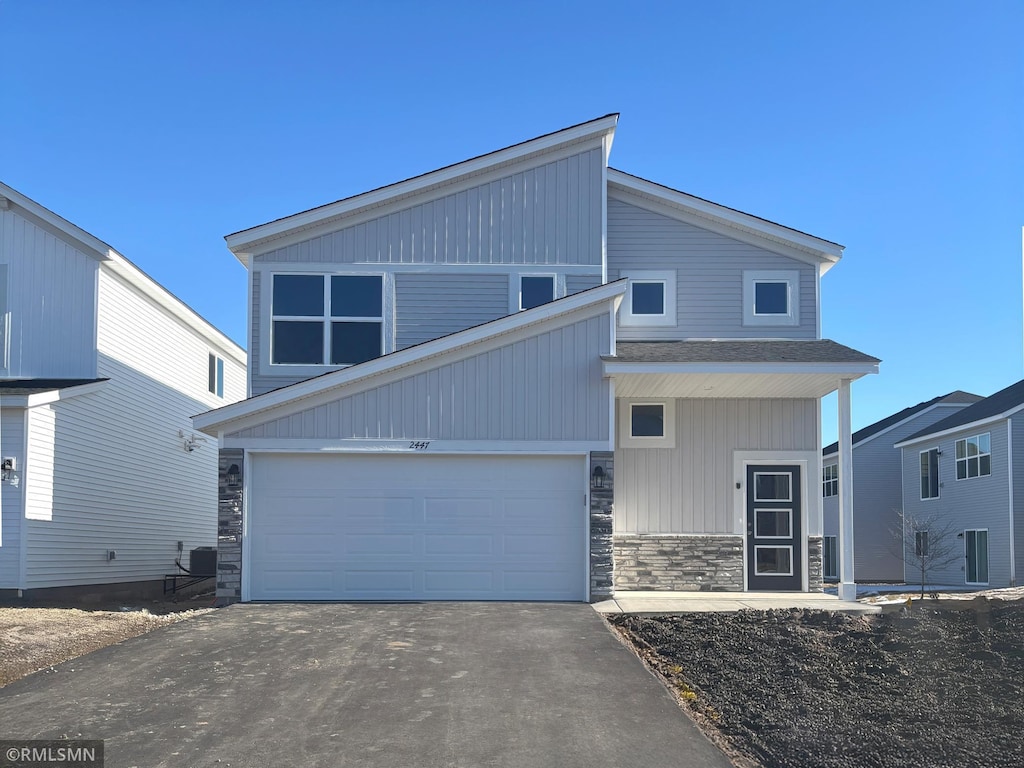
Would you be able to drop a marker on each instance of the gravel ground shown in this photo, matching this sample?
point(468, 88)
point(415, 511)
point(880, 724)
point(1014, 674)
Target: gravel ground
point(930, 688)
point(32, 639)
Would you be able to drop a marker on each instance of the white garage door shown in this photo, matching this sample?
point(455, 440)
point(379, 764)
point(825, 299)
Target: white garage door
point(360, 527)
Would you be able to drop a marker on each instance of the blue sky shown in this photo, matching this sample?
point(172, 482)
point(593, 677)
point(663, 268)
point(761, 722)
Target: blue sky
point(893, 128)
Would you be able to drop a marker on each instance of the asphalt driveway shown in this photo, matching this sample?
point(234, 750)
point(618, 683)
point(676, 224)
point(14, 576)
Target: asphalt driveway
point(438, 684)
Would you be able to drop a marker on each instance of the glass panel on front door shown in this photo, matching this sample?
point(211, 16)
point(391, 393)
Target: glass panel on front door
point(774, 535)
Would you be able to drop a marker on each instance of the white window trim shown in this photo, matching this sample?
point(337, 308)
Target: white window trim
point(788, 511)
point(774, 546)
point(988, 557)
point(826, 481)
point(956, 461)
point(834, 561)
point(938, 479)
point(266, 335)
point(626, 438)
point(668, 317)
point(789, 276)
point(218, 375)
point(515, 288)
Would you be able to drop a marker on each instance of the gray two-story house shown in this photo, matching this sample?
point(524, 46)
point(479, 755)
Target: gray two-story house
point(528, 375)
point(877, 489)
point(964, 476)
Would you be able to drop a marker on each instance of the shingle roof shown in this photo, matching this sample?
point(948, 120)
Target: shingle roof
point(993, 405)
point(35, 386)
point(959, 396)
point(755, 351)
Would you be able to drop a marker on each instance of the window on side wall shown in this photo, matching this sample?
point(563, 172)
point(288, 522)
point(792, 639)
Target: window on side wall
point(830, 480)
point(650, 299)
point(770, 297)
point(216, 375)
point(974, 456)
point(535, 290)
point(326, 319)
point(930, 474)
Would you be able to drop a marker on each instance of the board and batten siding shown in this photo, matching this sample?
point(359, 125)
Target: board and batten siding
point(429, 305)
point(51, 287)
point(877, 498)
point(690, 489)
point(548, 386)
point(977, 502)
point(709, 276)
point(121, 479)
point(12, 443)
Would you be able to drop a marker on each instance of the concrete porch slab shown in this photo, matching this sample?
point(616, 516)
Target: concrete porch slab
point(711, 602)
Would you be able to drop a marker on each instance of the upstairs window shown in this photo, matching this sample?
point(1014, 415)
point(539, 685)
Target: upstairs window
point(326, 319)
point(930, 474)
point(974, 456)
point(535, 290)
point(770, 297)
point(216, 377)
point(830, 480)
point(650, 298)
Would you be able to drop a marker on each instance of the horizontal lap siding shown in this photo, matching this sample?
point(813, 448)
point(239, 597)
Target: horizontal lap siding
point(12, 443)
point(51, 290)
point(580, 283)
point(1018, 493)
point(121, 479)
point(709, 275)
point(545, 387)
point(430, 304)
point(689, 488)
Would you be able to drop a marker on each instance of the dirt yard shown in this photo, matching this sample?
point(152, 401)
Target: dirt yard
point(36, 638)
point(934, 687)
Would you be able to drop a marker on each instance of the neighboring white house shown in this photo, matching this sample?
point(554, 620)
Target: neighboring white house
point(964, 475)
point(529, 376)
point(877, 489)
point(100, 372)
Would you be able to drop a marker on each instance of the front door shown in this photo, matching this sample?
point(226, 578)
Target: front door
point(774, 549)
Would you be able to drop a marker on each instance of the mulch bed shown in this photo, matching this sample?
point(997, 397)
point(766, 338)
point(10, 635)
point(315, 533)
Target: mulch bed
point(929, 688)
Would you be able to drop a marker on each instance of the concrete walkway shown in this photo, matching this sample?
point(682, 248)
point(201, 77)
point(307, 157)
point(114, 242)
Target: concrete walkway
point(710, 602)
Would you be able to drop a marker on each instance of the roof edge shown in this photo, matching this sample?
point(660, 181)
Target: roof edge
point(922, 436)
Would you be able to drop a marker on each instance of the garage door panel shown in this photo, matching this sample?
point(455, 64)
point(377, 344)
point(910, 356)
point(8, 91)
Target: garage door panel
point(446, 528)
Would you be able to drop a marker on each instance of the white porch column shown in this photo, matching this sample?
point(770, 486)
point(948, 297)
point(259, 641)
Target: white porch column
point(847, 587)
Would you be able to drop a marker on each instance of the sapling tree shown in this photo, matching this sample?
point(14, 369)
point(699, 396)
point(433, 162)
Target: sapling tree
point(925, 543)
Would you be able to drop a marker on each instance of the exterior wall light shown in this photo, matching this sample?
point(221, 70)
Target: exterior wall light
point(233, 476)
point(597, 477)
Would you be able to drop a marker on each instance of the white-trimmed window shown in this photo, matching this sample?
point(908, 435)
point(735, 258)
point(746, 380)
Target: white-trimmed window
point(830, 480)
point(974, 456)
point(647, 424)
point(535, 290)
point(326, 319)
point(830, 558)
point(976, 556)
point(930, 474)
point(771, 297)
point(216, 375)
point(650, 298)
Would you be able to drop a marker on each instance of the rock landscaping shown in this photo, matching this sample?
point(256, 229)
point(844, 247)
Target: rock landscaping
point(932, 687)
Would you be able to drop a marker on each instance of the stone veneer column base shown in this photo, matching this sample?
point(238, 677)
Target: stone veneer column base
point(815, 582)
point(678, 563)
point(229, 527)
point(601, 504)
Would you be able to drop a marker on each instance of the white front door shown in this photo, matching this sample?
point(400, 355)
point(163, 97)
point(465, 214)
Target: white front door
point(415, 527)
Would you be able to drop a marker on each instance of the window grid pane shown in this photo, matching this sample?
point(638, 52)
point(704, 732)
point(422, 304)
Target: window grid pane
point(298, 296)
point(298, 342)
point(973, 456)
point(356, 296)
point(535, 290)
point(353, 343)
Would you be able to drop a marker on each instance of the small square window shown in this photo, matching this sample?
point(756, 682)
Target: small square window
point(648, 298)
point(535, 290)
point(771, 297)
point(647, 420)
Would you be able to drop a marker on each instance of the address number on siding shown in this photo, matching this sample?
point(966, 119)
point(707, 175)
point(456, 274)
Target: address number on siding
point(419, 445)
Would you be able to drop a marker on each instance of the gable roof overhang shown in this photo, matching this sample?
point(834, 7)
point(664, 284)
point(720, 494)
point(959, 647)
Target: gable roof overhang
point(29, 393)
point(335, 384)
point(994, 408)
point(308, 224)
point(727, 221)
point(735, 369)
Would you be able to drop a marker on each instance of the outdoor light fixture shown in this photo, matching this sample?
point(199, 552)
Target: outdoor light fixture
point(234, 476)
point(597, 477)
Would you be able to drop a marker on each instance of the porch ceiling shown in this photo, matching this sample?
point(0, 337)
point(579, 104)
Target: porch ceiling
point(734, 385)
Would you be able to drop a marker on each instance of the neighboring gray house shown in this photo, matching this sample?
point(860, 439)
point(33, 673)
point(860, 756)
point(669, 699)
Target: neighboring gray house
point(100, 371)
point(877, 489)
point(454, 378)
point(968, 470)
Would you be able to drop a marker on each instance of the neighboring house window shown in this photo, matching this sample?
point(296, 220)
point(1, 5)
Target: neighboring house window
point(930, 474)
point(976, 544)
point(535, 290)
point(216, 383)
point(830, 480)
point(5, 331)
point(830, 558)
point(650, 298)
point(332, 319)
point(771, 297)
point(648, 424)
point(920, 543)
point(974, 456)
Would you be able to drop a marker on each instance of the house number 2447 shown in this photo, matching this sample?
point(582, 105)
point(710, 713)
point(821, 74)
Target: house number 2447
point(419, 445)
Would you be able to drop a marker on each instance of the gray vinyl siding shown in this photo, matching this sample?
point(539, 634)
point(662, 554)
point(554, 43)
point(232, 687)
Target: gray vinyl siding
point(689, 489)
point(709, 276)
point(580, 283)
point(877, 499)
point(429, 305)
point(12, 443)
point(1017, 423)
point(978, 502)
point(544, 387)
point(546, 214)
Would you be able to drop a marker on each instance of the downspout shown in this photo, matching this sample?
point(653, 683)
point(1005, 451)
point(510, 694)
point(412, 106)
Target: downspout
point(1009, 473)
